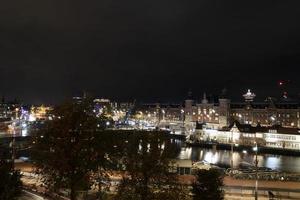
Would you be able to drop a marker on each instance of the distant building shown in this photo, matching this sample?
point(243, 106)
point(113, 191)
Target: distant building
point(157, 112)
point(9, 110)
point(268, 113)
point(274, 136)
point(222, 113)
point(39, 113)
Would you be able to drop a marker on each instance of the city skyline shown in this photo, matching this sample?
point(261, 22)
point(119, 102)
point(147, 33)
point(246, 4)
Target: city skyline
point(280, 94)
point(139, 99)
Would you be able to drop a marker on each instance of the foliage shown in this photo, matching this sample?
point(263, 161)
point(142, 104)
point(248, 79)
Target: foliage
point(147, 158)
point(74, 151)
point(64, 148)
point(208, 185)
point(10, 184)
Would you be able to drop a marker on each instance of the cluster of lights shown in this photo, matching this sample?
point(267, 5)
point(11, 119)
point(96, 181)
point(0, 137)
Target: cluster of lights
point(40, 112)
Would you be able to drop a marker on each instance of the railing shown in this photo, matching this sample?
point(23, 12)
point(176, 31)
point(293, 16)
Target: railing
point(267, 176)
point(271, 193)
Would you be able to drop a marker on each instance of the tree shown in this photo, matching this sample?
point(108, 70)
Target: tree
point(10, 184)
point(64, 148)
point(147, 159)
point(208, 185)
point(108, 145)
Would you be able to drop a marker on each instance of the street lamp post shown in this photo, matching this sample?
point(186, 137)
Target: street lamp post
point(13, 152)
point(163, 114)
point(231, 162)
point(13, 144)
point(182, 117)
point(256, 171)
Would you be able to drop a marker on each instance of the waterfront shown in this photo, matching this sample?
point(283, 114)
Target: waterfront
point(223, 157)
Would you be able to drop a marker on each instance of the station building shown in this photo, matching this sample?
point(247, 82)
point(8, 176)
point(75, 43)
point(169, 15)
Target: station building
point(224, 112)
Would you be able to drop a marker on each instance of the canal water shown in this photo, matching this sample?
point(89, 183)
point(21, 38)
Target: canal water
point(222, 158)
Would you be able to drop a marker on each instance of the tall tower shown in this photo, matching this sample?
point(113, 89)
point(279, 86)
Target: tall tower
point(204, 100)
point(188, 108)
point(249, 96)
point(224, 109)
point(158, 110)
point(188, 114)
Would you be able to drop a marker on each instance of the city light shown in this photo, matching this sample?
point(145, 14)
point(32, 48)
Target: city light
point(255, 149)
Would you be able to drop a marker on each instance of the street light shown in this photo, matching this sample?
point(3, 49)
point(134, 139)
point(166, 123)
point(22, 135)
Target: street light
point(231, 162)
point(13, 144)
point(182, 116)
point(256, 169)
point(163, 112)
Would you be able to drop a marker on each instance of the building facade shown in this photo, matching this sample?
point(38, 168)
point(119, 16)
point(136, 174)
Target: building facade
point(224, 112)
point(274, 136)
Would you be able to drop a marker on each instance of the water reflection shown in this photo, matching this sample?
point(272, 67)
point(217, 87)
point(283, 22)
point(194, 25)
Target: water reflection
point(273, 162)
point(24, 132)
point(223, 157)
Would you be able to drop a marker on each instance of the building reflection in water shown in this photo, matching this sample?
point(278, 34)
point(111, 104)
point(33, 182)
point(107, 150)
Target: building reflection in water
point(223, 157)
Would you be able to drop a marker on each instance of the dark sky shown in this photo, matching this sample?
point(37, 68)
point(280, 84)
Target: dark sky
point(151, 50)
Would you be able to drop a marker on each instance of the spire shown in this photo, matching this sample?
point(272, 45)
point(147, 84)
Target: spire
point(271, 101)
point(204, 100)
point(249, 96)
point(190, 95)
point(223, 94)
point(84, 95)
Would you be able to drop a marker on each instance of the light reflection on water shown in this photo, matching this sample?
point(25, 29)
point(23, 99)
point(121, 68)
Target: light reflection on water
point(223, 157)
point(24, 132)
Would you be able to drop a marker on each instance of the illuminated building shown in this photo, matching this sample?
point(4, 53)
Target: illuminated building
point(8, 109)
point(221, 114)
point(39, 113)
point(274, 136)
point(217, 115)
point(157, 112)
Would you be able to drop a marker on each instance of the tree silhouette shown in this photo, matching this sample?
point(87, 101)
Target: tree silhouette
point(147, 162)
point(64, 148)
point(208, 185)
point(10, 184)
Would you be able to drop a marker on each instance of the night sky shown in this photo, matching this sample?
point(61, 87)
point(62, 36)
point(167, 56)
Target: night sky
point(149, 50)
